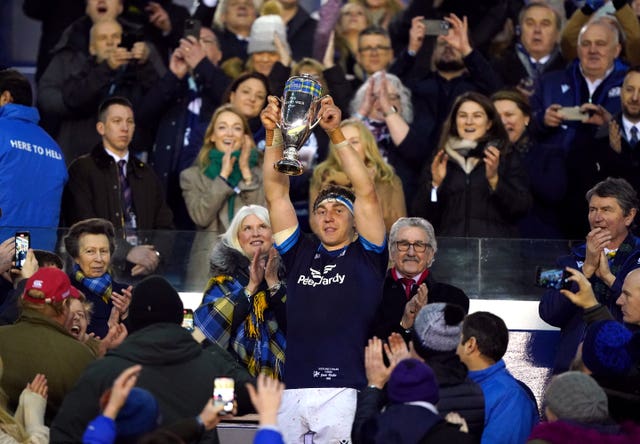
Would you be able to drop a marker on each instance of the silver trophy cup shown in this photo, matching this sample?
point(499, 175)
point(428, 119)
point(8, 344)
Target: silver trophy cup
point(298, 116)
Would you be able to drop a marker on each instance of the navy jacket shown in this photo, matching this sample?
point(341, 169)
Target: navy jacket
point(300, 31)
point(560, 312)
point(569, 88)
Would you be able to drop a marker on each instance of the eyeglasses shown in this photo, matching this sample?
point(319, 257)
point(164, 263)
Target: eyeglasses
point(418, 247)
point(374, 48)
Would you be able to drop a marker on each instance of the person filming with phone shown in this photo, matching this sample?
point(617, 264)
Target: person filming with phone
point(113, 61)
point(456, 68)
point(591, 83)
point(176, 369)
point(610, 252)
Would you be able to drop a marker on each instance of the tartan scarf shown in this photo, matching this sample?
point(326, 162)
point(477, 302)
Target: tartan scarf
point(258, 341)
point(100, 285)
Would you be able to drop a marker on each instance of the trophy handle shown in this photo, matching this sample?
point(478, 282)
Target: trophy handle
point(313, 125)
point(281, 100)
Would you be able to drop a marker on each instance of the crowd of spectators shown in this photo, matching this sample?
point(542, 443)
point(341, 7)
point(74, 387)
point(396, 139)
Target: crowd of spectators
point(498, 119)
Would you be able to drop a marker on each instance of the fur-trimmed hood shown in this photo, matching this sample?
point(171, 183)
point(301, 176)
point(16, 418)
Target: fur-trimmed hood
point(227, 260)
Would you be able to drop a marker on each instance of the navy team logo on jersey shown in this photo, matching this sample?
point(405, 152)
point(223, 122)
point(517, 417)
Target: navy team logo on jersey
point(321, 278)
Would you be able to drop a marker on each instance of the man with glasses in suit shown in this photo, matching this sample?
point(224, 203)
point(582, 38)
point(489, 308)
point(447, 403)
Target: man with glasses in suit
point(409, 284)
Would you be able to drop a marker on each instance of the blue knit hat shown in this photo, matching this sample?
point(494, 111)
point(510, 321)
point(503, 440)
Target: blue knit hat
point(412, 380)
point(607, 348)
point(139, 415)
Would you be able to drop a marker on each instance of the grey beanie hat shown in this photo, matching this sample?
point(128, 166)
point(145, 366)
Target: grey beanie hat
point(577, 396)
point(263, 29)
point(438, 326)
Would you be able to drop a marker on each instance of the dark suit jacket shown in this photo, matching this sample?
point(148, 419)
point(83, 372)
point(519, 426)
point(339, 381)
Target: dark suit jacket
point(391, 309)
point(93, 190)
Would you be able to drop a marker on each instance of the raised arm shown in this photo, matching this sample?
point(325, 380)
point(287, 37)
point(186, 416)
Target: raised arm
point(366, 208)
point(276, 185)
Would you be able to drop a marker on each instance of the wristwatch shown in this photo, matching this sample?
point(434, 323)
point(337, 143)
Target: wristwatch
point(392, 110)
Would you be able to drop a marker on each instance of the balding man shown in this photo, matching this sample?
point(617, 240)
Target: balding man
point(592, 82)
point(628, 301)
point(90, 64)
point(614, 151)
point(606, 352)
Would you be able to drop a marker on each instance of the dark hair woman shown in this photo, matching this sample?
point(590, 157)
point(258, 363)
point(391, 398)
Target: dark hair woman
point(475, 185)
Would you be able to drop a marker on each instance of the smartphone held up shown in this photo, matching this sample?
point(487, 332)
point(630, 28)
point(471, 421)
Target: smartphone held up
point(436, 27)
point(192, 28)
point(556, 278)
point(187, 319)
point(22, 245)
point(224, 394)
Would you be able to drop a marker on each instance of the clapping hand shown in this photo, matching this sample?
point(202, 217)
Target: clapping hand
point(414, 305)
point(39, 385)
point(597, 240)
point(491, 163)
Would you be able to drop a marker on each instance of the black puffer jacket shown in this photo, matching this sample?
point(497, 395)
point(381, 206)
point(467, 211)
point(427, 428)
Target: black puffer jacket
point(466, 205)
point(458, 393)
point(74, 84)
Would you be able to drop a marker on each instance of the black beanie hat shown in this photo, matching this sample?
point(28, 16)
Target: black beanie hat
point(154, 300)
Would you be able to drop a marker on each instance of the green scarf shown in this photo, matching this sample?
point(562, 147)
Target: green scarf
point(215, 165)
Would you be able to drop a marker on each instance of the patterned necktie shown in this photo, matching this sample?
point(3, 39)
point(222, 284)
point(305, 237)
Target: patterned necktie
point(634, 136)
point(408, 286)
point(125, 190)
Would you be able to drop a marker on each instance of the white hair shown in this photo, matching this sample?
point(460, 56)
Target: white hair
point(230, 237)
point(403, 91)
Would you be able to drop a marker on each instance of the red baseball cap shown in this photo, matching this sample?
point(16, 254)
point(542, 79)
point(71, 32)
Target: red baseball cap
point(53, 282)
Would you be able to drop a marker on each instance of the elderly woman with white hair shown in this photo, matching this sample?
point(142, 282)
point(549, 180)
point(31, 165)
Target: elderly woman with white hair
point(243, 306)
point(383, 103)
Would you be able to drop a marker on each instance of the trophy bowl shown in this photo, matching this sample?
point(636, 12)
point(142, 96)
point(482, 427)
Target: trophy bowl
point(298, 116)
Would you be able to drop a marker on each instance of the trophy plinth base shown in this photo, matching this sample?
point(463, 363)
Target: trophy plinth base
point(290, 167)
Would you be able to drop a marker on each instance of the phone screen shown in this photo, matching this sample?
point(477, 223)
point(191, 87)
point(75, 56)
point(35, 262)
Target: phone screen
point(224, 394)
point(22, 244)
point(573, 113)
point(436, 27)
point(552, 278)
point(187, 319)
